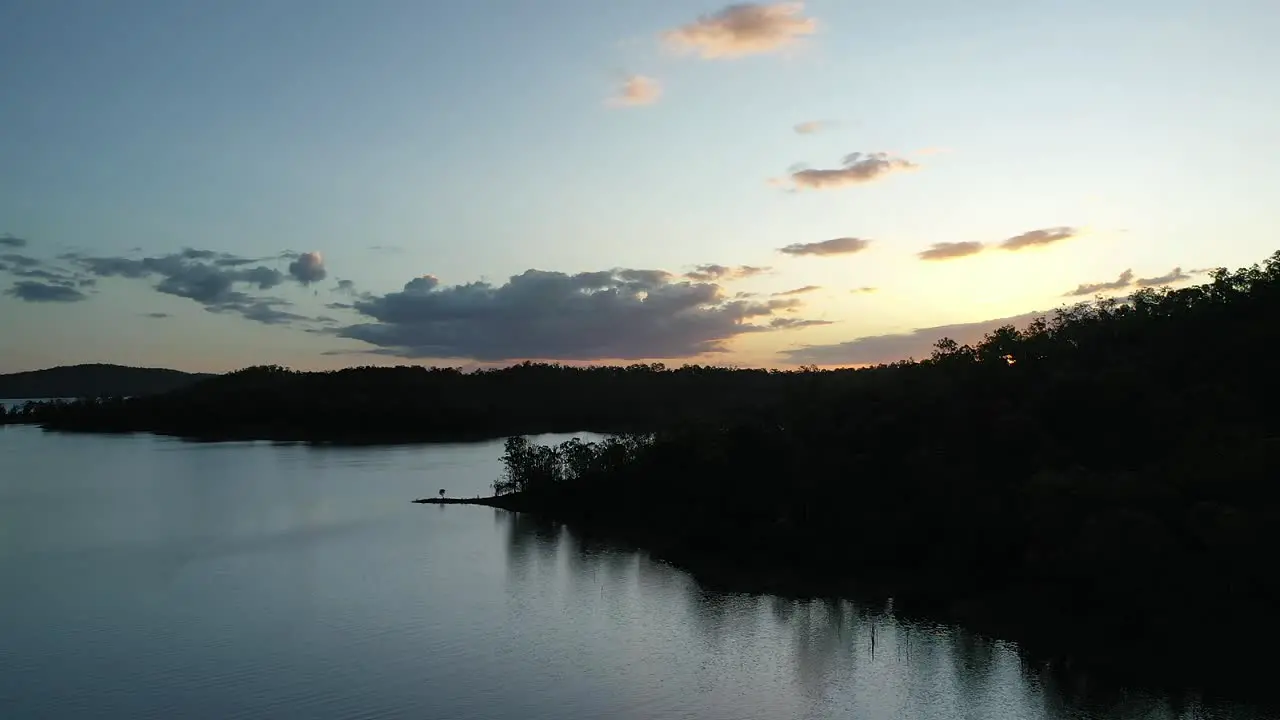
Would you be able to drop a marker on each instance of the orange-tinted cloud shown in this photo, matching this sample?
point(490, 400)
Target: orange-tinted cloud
point(1044, 236)
point(950, 250)
point(743, 29)
point(857, 168)
point(811, 127)
point(836, 246)
point(863, 290)
point(637, 90)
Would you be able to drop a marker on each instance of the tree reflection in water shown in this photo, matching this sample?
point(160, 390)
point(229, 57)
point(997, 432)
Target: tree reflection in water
point(841, 658)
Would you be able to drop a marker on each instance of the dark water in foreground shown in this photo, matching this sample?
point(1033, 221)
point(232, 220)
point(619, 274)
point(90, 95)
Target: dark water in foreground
point(143, 577)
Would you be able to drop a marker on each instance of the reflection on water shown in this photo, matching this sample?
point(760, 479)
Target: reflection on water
point(148, 578)
point(839, 659)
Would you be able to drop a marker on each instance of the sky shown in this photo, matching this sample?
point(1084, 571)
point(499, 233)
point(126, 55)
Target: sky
point(325, 183)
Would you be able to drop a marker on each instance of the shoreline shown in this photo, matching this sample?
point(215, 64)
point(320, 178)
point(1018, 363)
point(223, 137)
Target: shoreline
point(1051, 638)
point(355, 439)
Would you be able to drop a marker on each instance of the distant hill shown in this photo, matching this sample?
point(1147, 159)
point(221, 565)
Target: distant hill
point(93, 380)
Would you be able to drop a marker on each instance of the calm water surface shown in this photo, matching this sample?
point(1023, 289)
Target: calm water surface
point(145, 577)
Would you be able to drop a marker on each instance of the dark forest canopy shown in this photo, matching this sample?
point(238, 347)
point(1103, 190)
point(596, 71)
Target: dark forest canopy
point(93, 380)
point(374, 404)
point(1103, 483)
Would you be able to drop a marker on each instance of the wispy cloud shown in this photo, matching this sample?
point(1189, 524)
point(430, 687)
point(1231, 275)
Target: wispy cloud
point(857, 168)
point(918, 343)
point(811, 127)
point(725, 273)
point(213, 279)
point(1035, 238)
point(11, 241)
point(950, 250)
point(798, 291)
point(637, 90)
point(743, 29)
point(1173, 276)
point(1120, 283)
point(786, 323)
point(39, 292)
point(864, 290)
point(836, 246)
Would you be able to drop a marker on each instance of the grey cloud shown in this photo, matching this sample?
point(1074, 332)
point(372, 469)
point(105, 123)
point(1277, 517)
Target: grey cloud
point(347, 287)
point(11, 241)
point(1173, 276)
point(31, 268)
point(207, 277)
point(710, 273)
point(308, 268)
point(614, 314)
point(798, 291)
point(950, 250)
point(339, 306)
point(1120, 283)
point(33, 291)
point(1044, 236)
point(837, 246)
point(876, 349)
point(794, 323)
point(22, 261)
point(157, 315)
point(857, 168)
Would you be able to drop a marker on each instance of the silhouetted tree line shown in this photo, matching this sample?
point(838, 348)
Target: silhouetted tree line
point(408, 403)
point(1103, 484)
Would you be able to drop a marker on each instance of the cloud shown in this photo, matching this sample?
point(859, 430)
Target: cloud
point(798, 291)
point(308, 268)
point(157, 315)
point(207, 277)
point(918, 343)
point(811, 127)
point(1173, 276)
point(950, 250)
point(1120, 283)
point(11, 241)
point(33, 291)
point(726, 273)
point(858, 168)
point(637, 90)
point(611, 314)
point(1045, 236)
point(20, 261)
point(743, 29)
point(864, 290)
point(31, 268)
point(836, 246)
point(784, 323)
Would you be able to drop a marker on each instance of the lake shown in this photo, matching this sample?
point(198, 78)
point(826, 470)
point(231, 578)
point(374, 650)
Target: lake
point(147, 577)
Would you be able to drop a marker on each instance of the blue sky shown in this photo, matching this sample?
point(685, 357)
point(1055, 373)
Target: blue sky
point(472, 142)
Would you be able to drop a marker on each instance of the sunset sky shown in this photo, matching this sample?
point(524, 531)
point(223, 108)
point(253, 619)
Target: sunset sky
point(322, 183)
